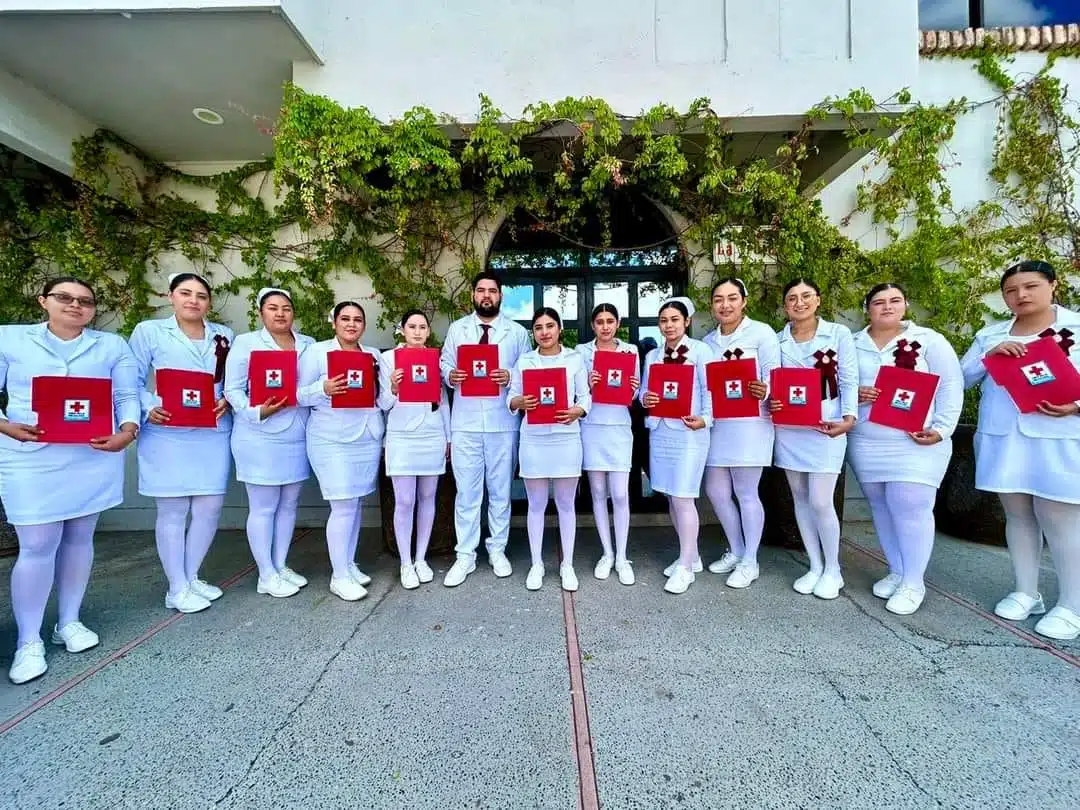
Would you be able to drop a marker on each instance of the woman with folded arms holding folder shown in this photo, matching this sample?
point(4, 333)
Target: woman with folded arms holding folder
point(417, 445)
point(740, 448)
point(678, 448)
point(1032, 460)
point(269, 445)
point(812, 458)
point(53, 493)
point(898, 472)
point(184, 341)
point(550, 454)
point(608, 443)
point(343, 445)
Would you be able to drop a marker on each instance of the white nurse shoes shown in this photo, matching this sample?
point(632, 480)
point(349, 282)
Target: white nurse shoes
point(1060, 623)
point(409, 579)
point(625, 570)
point(725, 564)
point(670, 570)
point(294, 578)
point(884, 588)
point(828, 586)
point(458, 571)
point(358, 576)
point(187, 601)
point(906, 600)
point(680, 579)
point(205, 589)
point(1018, 606)
point(535, 578)
point(499, 564)
point(29, 663)
point(568, 577)
point(744, 575)
point(75, 637)
point(603, 567)
point(423, 571)
point(347, 588)
point(806, 583)
point(276, 586)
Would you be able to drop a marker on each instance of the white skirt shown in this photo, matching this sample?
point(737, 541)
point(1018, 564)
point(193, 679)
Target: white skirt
point(606, 448)
point(549, 455)
point(677, 460)
point(741, 442)
point(181, 462)
point(345, 469)
point(878, 454)
point(1046, 468)
point(808, 450)
point(270, 459)
point(421, 453)
point(59, 482)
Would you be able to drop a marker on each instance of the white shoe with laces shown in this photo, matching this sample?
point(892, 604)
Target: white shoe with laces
point(276, 586)
point(568, 577)
point(535, 579)
point(347, 588)
point(75, 637)
point(458, 571)
point(358, 576)
point(744, 575)
point(500, 564)
point(806, 583)
point(423, 571)
point(698, 568)
point(680, 580)
point(409, 579)
point(187, 601)
point(205, 589)
point(828, 586)
point(292, 577)
point(625, 570)
point(906, 600)
point(884, 588)
point(603, 567)
point(726, 564)
point(29, 663)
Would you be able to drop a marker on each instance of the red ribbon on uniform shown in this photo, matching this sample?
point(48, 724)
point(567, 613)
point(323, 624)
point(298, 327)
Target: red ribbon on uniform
point(221, 351)
point(825, 362)
point(906, 354)
point(1064, 338)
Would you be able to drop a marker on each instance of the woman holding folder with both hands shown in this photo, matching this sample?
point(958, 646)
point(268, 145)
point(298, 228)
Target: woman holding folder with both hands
point(269, 443)
point(900, 472)
point(550, 454)
point(343, 443)
point(679, 447)
point(56, 533)
point(417, 446)
point(184, 341)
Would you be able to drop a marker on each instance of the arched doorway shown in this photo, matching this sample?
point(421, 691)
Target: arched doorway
point(641, 267)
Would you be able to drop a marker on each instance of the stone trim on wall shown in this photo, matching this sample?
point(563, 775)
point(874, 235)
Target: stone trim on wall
point(1021, 38)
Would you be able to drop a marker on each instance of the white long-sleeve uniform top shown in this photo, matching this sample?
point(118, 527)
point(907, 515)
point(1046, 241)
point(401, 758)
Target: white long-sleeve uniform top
point(602, 413)
point(236, 381)
point(698, 355)
point(577, 386)
point(932, 354)
point(997, 412)
point(326, 422)
point(409, 417)
point(483, 414)
point(832, 344)
point(750, 340)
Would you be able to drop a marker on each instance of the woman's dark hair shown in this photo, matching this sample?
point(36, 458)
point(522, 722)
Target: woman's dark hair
point(180, 278)
point(267, 296)
point(341, 306)
point(602, 308)
point(678, 306)
point(52, 283)
point(410, 313)
point(885, 285)
point(486, 275)
point(795, 282)
point(551, 313)
point(1044, 269)
point(737, 282)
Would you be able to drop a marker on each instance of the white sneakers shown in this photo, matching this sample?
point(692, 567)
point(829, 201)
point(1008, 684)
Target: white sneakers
point(1017, 606)
point(568, 577)
point(681, 579)
point(205, 589)
point(347, 588)
point(725, 564)
point(823, 586)
point(603, 567)
point(1060, 623)
point(905, 600)
point(744, 575)
point(277, 586)
point(458, 571)
point(806, 583)
point(698, 568)
point(423, 571)
point(292, 577)
point(535, 578)
point(625, 570)
point(29, 663)
point(499, 564)
point(187, 601)
point(884, 588)
point(409, 578)
point(622, 567)
point(75, 637)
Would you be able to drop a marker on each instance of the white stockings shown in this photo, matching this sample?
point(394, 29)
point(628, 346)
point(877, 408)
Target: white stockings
point(411, 493)
point(816, 518)
point(343, 535)
point(684, 517)
point(182, 547)
point(903, 516)
point(743, 522)
point(1027, 520)
point(270, 524)
point(565, 491)
point(617, 485)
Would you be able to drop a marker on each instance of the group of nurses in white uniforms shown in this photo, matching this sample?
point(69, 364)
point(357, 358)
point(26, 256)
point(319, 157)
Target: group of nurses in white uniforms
point(344, 445)
point(550, 455)
point(1032, 460)
point(899, 473)
point(186, 470)
point(417, 445)
point(54, 493)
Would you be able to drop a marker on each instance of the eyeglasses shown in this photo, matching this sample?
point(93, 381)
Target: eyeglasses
point(65, 299)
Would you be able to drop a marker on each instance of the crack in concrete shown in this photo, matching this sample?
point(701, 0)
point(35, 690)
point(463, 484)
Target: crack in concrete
point(303, 700)
point(964, 643)
point(853, 707)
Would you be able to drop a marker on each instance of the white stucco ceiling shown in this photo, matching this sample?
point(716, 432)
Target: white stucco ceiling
point(141, 77)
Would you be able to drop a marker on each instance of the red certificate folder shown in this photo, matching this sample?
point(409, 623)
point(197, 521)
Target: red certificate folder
point(478, 360)
point(358, 368)
point(548, 385)
point(674, 384)
point(905, 398)
point(799, 389)
point(72, 410)
point(728, 382)
point(272, 375)
point(421, 382)
point(188, 396)
point(1043, 374)
point(615, 370)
